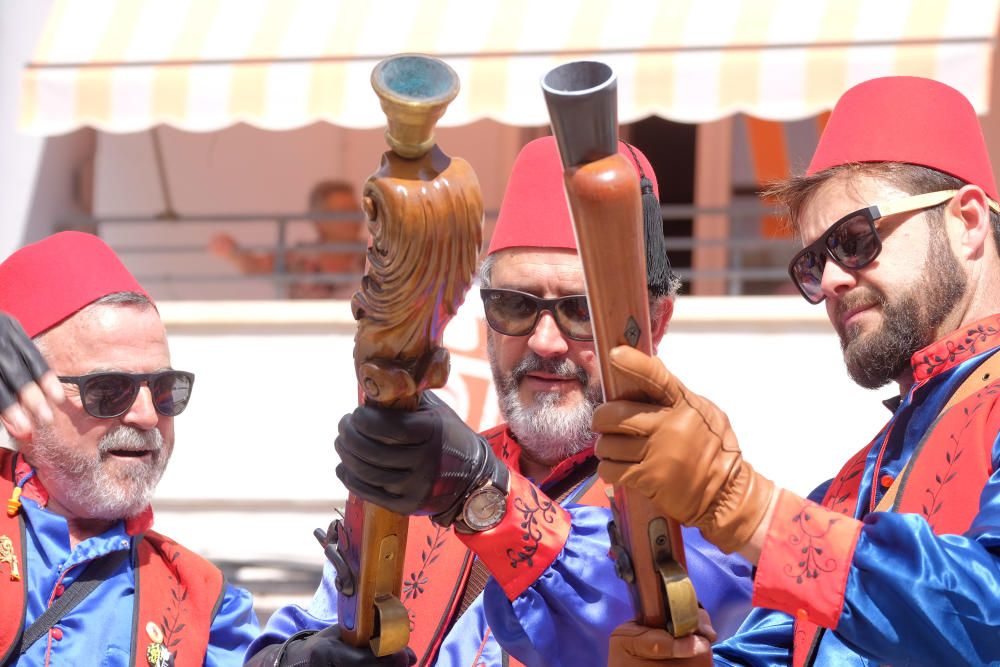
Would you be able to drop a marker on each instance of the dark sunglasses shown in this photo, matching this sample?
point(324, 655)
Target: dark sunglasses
point(514, 313)
point(109, 395)
point(852, 242)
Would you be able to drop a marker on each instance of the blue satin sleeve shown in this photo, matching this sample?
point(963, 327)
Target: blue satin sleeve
point(288, 620)
point(567, 615)
point(233, 628)
point(764, 640)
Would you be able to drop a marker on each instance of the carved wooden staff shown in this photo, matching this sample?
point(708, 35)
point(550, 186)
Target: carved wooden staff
point(425, 215)
point(606, 207)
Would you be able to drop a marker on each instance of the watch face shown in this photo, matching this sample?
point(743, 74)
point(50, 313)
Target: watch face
point(485, 508)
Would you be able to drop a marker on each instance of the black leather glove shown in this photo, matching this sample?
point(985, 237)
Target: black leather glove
point(422, 462)
point(20, 361)
point(325, 649)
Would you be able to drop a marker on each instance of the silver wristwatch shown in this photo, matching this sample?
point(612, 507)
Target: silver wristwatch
point(483, 509)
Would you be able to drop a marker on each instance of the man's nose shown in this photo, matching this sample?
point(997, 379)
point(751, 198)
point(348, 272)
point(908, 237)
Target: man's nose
point(836, 279)
point(142, 414)
point(547, 340)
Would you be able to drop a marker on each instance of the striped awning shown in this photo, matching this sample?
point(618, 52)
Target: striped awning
point(127, 65)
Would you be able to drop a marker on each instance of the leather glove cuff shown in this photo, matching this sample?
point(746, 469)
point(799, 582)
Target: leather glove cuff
point(489, 469)
point(738, 509)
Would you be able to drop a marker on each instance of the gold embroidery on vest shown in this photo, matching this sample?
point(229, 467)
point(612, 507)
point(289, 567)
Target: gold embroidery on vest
point(8, 556)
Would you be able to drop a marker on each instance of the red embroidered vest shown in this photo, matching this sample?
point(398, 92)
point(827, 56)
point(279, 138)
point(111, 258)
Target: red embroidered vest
point(178, 592)
point(941, 482)
point(436, 571)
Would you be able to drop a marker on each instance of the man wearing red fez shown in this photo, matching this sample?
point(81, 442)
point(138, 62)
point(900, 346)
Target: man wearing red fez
point(84, 580)
point(896, 560)
point(516, 509)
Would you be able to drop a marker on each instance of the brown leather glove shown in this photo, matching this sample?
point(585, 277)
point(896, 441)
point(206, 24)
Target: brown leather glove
point(680, 452)
point(634, 645)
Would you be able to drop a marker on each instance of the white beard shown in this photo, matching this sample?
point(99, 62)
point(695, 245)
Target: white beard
point(109, 490)
point(548, 431)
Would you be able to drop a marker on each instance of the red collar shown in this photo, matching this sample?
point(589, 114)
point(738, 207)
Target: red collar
point(955, 348)
point(33, 489)
point(511, 451)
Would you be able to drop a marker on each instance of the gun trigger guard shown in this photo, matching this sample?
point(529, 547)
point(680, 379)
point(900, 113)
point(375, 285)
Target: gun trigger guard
point(682, 602)
point(330, 541)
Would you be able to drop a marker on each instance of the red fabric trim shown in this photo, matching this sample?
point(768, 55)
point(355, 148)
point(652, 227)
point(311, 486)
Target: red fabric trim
point(12, 591)
point(435, 572)
point(961, 345)
point(566, 466)
point(177, 591)
point(803, 638)
point(140, 523)
point(805, 560)
point(526, 542)
point(842, 494)
point(509, 450)
point(948, 472)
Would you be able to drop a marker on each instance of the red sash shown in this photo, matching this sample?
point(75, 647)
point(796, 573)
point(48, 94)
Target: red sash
point(941, 482)
point(437, 566)
point(178, 592)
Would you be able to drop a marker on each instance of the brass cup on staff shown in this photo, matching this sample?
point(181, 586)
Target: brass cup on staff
point(425, 215)
point(606, 206)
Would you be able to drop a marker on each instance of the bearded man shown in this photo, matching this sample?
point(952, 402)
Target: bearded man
point(896, 560)
point(87, 580)
point(529, 522)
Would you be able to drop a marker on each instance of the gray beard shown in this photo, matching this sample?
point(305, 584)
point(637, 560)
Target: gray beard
point(548, 431)
point(910, 323)
point(109, 491)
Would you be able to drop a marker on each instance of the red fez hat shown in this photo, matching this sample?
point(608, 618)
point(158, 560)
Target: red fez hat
point(534, 212)
point(45, 282)
point(907, 119)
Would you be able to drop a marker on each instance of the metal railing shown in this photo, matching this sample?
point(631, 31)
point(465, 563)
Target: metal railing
point(752, 265)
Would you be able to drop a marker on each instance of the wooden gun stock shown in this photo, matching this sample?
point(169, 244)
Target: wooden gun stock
point(606, 205)
point(425, 215)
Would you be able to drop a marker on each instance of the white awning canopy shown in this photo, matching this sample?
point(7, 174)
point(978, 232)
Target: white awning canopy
point(199, 65)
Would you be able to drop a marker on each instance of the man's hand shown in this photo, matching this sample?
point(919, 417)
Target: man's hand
point(223, 245)
point(26, 383)
point(325, 649)
point(681, 453)
point(634, 645)
point(422, 462)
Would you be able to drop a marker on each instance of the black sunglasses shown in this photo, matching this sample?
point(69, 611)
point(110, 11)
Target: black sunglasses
point(514, 313)
point(109, 395)
point(852, 242)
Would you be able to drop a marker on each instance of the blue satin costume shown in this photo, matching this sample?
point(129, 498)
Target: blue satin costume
point(913, 597)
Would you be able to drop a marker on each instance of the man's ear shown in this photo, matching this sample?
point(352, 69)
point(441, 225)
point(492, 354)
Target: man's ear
point(661, 320)
point(972, 207)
